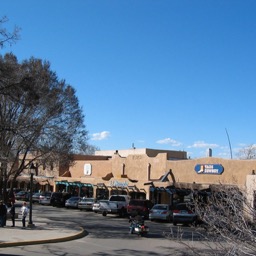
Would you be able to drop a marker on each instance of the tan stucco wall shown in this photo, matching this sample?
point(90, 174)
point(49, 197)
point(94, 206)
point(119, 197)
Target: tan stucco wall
point(235, 171)
point(100, 168)
point(137, 169)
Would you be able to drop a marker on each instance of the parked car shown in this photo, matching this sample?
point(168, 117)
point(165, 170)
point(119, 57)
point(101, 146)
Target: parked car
point(139, 207)
point(86, 204)
point(161, 212)
point(45, 198)
point(36, 197)
point(183, 213)
point(72, 202)
point(59, 198)
point(96, 205)
point(117, 204)
point(22, 196)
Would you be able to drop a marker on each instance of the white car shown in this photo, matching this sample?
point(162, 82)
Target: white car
point(96, 205)
point(86, 203)
point(45, 198)
point(161, 212)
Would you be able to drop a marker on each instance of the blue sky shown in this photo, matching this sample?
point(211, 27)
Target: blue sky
point(161, 74)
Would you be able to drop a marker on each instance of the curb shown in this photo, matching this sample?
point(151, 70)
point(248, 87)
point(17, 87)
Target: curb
point(78, 235)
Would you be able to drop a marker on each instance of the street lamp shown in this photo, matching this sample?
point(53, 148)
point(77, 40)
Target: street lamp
point(32, 169)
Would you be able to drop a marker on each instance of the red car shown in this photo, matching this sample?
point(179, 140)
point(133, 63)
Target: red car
point(139, 207)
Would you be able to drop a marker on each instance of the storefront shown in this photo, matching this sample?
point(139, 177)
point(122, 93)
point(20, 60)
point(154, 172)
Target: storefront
point(40, 183)
point(75, 188)
point(163, 177)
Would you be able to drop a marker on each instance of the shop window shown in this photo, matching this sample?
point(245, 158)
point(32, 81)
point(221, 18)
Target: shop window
point(102, 193)
point(138, 195)
point(155, 195)
point(118, 192)
point(61, 188)
point(86, 192)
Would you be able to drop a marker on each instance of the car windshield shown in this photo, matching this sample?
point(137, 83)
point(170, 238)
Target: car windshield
point(117, 198)
point(184, 207)
point(21, 193)
point(73, 198)
point(160, 207)
point(57, 195)
point(136, 202)
point(46, 194)
point(87, 200)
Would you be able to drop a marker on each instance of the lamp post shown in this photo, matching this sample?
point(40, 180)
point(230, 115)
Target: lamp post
point(32, 169)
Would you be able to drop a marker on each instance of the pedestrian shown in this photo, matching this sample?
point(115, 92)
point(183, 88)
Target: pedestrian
point(12, 213)
point(24, 213)
point(3, 212)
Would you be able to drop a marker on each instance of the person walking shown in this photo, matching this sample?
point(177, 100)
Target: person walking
point(24, 213)
point(3, 212)
point(12, 212)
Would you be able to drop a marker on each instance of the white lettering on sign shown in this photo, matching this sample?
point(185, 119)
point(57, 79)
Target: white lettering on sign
point(115, 183)
point(206, 170)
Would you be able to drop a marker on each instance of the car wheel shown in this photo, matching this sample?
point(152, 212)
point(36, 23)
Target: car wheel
point(104, 214)
point(175, 223)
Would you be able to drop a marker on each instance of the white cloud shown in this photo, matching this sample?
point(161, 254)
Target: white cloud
point(100, 135)
point(169, 141)
point(202, 144)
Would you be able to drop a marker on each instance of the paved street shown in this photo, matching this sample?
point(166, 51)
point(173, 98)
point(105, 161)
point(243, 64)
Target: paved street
point(106, 236)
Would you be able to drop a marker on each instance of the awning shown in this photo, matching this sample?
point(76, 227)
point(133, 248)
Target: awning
point(133, 188)
point(77, 184)
point(159, 189)
point(42, 180)
point(192, 186)
point(101, 185)
point(165, 177)
point(23, 178)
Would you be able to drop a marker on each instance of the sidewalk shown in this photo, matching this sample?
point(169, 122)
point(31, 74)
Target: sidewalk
point(44, 231)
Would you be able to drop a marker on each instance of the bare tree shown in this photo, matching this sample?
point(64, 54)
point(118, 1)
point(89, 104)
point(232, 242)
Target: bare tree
point(88, 149)
point(7, 37)
point(225, 222)
point(248, 152)
point(39, 117)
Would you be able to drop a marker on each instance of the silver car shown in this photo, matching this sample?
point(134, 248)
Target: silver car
point(72, 202)
point(96, 205)
point(45, 198)
point(86, 203)
point(161, 212)
point(183, 213)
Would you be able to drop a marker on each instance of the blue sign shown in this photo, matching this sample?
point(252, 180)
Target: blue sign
point(209, 169)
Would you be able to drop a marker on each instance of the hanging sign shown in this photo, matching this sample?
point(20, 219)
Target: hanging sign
point(115, 183)
point(209, 169)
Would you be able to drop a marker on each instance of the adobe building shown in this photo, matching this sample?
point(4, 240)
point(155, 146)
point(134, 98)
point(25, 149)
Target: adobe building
point(164, 176)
